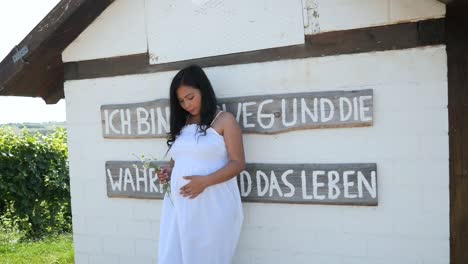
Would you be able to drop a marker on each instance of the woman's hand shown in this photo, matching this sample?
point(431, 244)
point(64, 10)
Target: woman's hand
point(196, 186)
point(164, 174)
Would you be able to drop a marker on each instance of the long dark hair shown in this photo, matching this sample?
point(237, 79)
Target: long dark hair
point(195, 77)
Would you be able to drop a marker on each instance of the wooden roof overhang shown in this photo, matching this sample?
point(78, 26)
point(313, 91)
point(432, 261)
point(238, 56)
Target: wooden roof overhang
point(34, 67)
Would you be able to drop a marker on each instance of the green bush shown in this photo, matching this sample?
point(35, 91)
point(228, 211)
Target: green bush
point(34, 183)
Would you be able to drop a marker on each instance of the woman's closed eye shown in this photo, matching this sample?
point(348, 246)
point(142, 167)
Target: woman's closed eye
point(190, 99)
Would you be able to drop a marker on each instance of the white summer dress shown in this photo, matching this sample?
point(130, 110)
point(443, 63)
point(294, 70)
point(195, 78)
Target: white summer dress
point(205, 229)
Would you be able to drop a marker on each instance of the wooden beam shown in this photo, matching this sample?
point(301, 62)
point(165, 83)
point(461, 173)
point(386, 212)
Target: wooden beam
point(457, 56)
point(381, 38)
point(455, 2)
point(40, 69)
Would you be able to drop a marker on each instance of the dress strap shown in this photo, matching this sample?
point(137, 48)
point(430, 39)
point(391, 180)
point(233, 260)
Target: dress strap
point(215, 117)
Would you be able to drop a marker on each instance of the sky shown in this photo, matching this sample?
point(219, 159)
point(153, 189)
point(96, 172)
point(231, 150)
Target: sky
point(17, 19)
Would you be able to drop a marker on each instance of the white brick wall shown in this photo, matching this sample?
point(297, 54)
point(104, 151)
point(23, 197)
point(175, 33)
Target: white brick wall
point(408, 141)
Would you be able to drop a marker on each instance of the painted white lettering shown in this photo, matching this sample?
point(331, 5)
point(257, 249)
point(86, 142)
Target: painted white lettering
point(317, 184)
point(128, 179)
point(153, 121)
point(126, 121)
point(260, 115)
point(284, 111)
point(117, 184)
point(142, 120)
point(259, 183)
point(111, 118)
point(356, 109)
point(344, 117)
point(333, 189)
point(141, 179)
point(323, 110)
point(363, 109)
point(163, 122)
point(287, 183)
point(305, 109)
point(246, 114)
point(153, 179)
point(274, 185)
point(245, 190)
point(304, 186)
point(347, 184)
point(371, 188)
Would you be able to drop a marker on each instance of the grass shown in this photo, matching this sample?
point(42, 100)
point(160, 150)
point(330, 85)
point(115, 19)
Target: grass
point(51, 250)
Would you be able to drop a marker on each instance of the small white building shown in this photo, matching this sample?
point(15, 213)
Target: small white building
point(354, 115)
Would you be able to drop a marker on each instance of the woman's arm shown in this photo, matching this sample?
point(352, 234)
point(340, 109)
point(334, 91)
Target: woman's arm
point(233, 138)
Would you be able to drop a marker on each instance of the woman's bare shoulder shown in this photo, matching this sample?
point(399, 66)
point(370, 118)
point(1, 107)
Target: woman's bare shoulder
point(228, 121)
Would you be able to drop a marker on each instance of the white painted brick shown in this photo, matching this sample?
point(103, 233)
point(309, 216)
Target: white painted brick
point(79, 223)
point(100, 225)
point(343, 244)
point(146, 247)
point(436, 260)
point(275, 238)
point(81, 258)
point(419, 122)
point(436, 199)
point(87, 243)
point(136, 229)
point(435, 147)
point(398, 247)
point(121, 246)
point(357, 221)
point(155, 227)
point(122, 213)
point(350, 72)
point(407, 96)
point(147, 210)
point(137, 260)
point(270, 256)
point(404, 200)
point(103, 259)
point(279, 215)
point(307, 257)
point(421, 172)
point(410, 151)
point(419, 224)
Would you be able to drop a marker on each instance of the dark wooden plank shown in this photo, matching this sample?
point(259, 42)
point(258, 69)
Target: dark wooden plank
point(264, 114)
point(457, 57)
point(381, 38)
point(456, 3)
point(339, 184)
point(123, 179)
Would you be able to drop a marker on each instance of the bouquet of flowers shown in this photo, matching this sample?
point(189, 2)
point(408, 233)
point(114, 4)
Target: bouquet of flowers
point(148, 162)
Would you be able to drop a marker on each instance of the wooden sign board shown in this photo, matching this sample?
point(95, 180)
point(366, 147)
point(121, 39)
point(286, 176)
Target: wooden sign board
point(342, 184)
point(264, 114)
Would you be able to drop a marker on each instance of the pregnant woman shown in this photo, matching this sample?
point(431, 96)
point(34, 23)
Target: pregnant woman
point(201, 221)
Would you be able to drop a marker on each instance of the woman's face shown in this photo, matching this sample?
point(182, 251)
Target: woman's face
point(189, 99)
